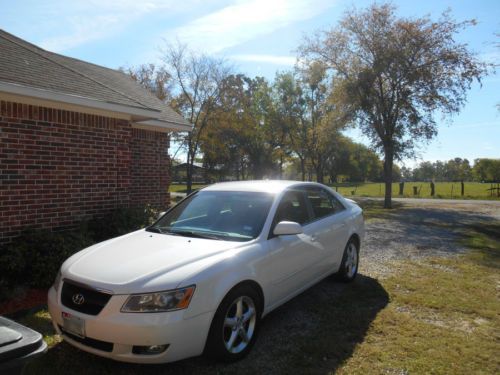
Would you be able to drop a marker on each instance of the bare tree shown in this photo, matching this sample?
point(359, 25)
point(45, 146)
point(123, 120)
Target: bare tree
point(156, 79)
point(198, 80)
point(395, 73)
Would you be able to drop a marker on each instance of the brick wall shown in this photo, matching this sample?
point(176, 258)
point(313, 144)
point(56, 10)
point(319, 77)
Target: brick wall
point(149, 155)
point(59, 167)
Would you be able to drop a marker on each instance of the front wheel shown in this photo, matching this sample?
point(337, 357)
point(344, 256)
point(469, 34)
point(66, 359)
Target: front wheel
point(350, 261)
point(235, 324)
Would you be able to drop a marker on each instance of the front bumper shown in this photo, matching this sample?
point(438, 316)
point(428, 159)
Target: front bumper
point(184, 337)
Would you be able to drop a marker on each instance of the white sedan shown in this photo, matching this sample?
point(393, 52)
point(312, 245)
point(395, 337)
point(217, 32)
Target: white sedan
point(201, 278)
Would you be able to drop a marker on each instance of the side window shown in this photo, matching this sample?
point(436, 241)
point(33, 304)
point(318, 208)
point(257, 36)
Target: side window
point(292, 208)
point(323, 203)
point(336, 203)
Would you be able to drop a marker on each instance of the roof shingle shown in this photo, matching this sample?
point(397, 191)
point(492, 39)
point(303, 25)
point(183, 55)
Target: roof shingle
point(25, 64)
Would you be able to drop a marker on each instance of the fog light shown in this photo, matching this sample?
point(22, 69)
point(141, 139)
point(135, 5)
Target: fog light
point(149, 350)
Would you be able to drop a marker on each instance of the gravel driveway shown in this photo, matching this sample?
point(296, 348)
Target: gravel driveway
point(420, 228)
point(414, 230)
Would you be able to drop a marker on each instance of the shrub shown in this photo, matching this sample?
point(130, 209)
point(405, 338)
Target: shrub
point(120, 221)
point(34, 258)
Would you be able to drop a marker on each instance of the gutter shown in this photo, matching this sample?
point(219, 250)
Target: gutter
point(33, 92)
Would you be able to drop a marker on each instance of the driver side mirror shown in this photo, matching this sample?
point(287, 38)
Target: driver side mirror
point(287, 227)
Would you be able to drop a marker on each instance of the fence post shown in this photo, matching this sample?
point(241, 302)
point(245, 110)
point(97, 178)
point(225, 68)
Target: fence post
point(432, 189)
point(401, 188)
point(462, 185)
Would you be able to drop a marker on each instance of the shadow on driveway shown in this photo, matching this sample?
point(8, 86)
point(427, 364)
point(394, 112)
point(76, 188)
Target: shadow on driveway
point(428, 230)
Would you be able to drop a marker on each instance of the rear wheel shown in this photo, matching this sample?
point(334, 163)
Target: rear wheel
point(235, 324)
point(350, 261)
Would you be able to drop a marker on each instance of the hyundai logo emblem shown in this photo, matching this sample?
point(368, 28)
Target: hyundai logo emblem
point(78, 299)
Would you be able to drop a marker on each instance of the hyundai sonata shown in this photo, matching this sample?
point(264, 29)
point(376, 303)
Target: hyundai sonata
point(201, 278)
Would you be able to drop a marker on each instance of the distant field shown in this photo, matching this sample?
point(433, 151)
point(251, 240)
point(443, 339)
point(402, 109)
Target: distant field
point(181, 188)
point(473, 190)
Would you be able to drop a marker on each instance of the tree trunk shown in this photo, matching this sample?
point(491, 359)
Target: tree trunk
point(388, 177)
point(281, 167)
point(303, 168)
point(189, 177)
point(319, 174)
point(189, 167)
point(243, 176)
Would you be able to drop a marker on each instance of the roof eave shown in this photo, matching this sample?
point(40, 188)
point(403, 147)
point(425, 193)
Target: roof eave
point(163, 125)
point(12, 88)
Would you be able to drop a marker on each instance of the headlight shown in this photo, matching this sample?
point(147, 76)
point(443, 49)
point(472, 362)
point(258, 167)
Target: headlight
point(57, 281)
point(160, 301)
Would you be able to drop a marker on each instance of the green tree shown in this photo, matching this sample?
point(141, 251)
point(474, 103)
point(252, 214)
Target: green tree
point(395, 73)
point(458, 169)
point(235, 141)
point(487, 170)
point(425, 171)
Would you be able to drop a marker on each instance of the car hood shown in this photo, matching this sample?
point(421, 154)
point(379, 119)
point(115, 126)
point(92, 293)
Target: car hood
point(143, 261)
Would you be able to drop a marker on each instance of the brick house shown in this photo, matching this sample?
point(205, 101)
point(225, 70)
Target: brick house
point(76, 140)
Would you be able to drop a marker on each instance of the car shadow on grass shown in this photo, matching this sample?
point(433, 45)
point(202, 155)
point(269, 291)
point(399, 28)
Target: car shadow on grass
point(314, 333)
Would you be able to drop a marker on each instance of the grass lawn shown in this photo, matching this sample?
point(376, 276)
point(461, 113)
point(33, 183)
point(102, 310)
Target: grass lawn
point(473, 190)
point(442, 319)
point(437, 315)
point(181, 188)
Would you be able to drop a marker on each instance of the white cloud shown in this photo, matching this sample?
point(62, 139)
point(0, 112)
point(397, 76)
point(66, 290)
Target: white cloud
point(74, 23)
point(245, 20)
point(82, 31)
point(270, 59)
point(79, 22)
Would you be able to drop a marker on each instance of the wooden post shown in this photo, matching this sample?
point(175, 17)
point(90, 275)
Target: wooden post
point(462, 185)
point(452, 190)
point(433, 191)
point(401, 188)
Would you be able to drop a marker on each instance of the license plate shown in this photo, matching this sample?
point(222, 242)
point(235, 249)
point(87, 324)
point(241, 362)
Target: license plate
point(73, 324)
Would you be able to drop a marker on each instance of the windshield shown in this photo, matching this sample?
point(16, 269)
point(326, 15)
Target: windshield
point(222, 215)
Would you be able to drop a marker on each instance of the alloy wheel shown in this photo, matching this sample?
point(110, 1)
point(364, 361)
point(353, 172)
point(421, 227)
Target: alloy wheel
point(239, 324)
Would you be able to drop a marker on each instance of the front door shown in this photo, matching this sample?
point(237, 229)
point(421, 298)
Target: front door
point(292, 258)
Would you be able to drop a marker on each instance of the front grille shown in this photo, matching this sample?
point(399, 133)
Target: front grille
point(93, 300)
point(87, 341)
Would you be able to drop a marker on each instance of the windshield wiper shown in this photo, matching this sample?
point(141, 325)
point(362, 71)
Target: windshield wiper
point(190, 233)
point(154, 230)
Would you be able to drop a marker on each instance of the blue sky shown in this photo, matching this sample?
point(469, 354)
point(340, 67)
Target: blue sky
point(259, 37)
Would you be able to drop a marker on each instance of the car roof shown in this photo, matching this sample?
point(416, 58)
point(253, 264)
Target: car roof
point(268, 186)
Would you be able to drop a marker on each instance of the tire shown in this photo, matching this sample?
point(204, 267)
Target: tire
point(232, 322)
point(349, 266)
